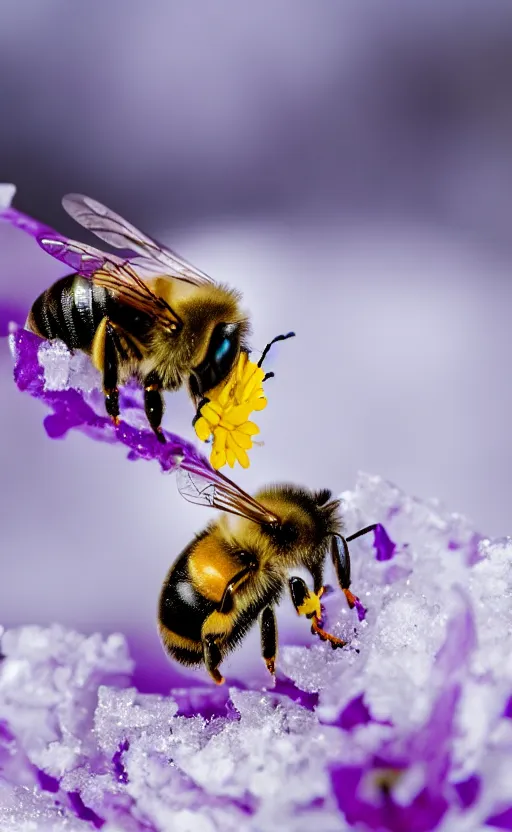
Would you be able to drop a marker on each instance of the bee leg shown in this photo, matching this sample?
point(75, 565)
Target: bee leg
point(308, 603)
point(154, 403)
point(111, 350)
point(305, 602)
point(268, 628)
point(226, 602)
point(212, 658)
point(317, 573)
point(215, 628)
point(341, 560)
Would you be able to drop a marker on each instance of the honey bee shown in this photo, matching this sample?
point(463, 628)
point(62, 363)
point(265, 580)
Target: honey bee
point(146, 314)
point(236, 570)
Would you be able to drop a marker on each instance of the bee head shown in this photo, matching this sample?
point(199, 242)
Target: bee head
point(222, 352)
point(307, 519)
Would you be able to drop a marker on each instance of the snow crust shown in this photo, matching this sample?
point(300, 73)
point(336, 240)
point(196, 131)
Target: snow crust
point(408, 728)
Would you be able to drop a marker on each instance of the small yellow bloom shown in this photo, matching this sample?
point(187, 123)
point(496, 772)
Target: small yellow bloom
point(225, 416)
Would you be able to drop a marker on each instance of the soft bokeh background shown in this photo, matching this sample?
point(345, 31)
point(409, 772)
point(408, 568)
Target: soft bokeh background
point(348, 166)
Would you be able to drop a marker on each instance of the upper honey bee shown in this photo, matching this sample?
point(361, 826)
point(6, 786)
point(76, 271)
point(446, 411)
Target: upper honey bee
point(235, 571)
point(147, 314)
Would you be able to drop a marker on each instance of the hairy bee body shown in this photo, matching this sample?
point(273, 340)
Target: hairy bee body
point(73, 308)
point(184, 609)
point(146, 313)
point(236, 570)
point(125, 342)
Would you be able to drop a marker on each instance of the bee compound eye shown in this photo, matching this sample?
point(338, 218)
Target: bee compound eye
point(220, 357)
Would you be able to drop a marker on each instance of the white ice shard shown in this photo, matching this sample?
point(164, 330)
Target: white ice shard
point(7, 192)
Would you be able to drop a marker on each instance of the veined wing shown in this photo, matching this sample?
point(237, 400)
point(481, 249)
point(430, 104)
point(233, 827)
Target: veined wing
point(117, 232)
point(112, 273)
point(200, 484)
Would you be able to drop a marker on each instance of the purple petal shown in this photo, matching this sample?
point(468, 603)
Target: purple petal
point(209, 703)
point(83, 812)
point(6, 735)
point(47, 782)
point(360, 609)
point(468, 790)
point(345, 782)
point(354, 714)
point(117, 762)
point(422, 815)
point(460, 638)
point(501, 820)
point(286, 687)
point(384, 546)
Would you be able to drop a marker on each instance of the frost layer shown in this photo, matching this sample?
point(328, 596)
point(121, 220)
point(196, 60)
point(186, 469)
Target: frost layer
point(408, 728)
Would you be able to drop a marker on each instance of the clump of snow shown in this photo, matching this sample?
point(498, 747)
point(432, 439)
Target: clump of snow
point(408, 728)
point(64, 369)
point(6, 195)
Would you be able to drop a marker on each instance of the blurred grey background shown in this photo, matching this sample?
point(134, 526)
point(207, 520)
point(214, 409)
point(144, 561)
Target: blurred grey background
point(348, 166)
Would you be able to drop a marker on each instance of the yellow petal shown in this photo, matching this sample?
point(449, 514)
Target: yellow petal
point(202, 429)
point(242, 363)
point(225, 423)
point(217, 459)
point(249, 428)
point(259, 403)
point(239, 452)
point(226, 393)
point(241, 439)
point(219, 439)
point(211, 412)
point(259, 393)
point(238, 414)
point(249, 369)
point(253, 383)
point(231, 458)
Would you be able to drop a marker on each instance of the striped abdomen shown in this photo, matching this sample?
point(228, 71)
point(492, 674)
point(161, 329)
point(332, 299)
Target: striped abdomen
point(73, 308)
point(183, 609)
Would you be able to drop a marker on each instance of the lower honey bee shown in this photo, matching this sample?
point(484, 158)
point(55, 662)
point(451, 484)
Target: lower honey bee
point(236, 570)
point(147, 314)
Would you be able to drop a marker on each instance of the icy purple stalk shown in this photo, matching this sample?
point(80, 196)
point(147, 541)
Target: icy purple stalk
point(73, 408)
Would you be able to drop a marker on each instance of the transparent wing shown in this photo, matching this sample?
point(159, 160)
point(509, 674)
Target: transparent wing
point(80, 258)
point(112, 273)
point(200, 484)
point(119, 233)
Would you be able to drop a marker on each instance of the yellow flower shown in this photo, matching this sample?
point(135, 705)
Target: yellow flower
point(225, 415)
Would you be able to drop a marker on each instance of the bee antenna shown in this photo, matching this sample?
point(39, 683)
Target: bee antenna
point(361, 532)
point(267, 376)
point(273, 341)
